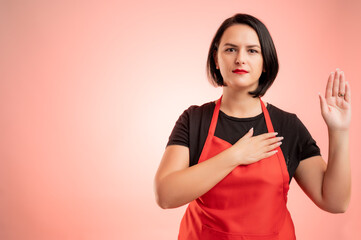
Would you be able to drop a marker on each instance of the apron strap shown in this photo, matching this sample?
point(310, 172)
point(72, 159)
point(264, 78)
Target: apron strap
point(267, 117)
point(279, 152)
point(213, 125)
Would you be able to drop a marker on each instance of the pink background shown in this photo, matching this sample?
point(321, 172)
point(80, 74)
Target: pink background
point(90, 91)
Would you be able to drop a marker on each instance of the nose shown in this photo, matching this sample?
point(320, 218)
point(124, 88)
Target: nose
point(240, 59)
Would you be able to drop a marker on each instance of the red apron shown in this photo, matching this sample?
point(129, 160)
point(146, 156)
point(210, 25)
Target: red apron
point(249, 203)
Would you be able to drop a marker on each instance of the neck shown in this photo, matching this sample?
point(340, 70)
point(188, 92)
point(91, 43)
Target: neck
point(240, 104)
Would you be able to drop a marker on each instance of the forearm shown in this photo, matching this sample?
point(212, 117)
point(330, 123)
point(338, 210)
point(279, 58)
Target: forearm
point(336, 188)
point(183, 186)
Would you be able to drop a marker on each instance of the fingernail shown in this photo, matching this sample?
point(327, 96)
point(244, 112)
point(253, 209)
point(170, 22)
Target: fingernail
point(275, 133)
point(280, 138)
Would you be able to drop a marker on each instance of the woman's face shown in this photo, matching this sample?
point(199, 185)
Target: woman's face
point(240, 49)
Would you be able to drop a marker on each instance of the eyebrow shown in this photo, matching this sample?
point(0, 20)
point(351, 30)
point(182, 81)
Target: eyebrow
point(233, 45)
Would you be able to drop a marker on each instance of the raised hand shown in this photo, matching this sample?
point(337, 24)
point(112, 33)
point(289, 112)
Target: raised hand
point(336, 104)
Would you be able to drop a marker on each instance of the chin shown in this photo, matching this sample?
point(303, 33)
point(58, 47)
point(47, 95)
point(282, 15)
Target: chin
point(242, 85)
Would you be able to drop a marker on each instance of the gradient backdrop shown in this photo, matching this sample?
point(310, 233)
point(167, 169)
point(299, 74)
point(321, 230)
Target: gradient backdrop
point(90, 91)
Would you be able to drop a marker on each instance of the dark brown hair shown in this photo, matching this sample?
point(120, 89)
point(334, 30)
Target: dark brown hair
point(269, 54)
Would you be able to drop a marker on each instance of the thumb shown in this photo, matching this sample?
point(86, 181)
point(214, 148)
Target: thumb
point(323, 103)
point(249, 133)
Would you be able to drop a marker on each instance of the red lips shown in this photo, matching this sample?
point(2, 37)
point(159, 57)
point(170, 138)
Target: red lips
point(240, 71)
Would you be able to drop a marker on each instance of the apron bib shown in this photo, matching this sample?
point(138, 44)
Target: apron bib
point(249, 203)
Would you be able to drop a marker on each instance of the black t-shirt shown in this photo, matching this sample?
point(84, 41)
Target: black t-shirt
point(191, 130)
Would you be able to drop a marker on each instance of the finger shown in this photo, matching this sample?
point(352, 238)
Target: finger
point(329, 85)
point(335, 83)
point(347, 92)
point(268, 154)
point(274, 140)
point(266, 135)
point(250, 132)
point(323, 103)
point(341, 88)
point(273, 146)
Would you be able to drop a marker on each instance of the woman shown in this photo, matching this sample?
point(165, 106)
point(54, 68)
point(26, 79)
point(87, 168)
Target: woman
point(226, 160)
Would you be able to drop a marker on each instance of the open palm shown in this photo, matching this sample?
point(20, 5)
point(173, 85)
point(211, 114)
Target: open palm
point(336, 104)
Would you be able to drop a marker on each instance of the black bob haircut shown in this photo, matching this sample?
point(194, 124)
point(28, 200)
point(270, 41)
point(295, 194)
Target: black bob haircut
point(269, 54)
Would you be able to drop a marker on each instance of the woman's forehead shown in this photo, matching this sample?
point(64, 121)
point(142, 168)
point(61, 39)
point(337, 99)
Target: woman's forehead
point(240, 34)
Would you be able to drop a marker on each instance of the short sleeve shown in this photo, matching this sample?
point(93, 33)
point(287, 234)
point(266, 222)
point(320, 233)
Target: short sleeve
point(191, 130)
point(307, 146)
point(180, 132)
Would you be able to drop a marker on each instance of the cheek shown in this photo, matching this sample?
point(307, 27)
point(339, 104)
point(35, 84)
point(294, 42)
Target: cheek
point(225, 62)
point(259, 64)
point(222, 65)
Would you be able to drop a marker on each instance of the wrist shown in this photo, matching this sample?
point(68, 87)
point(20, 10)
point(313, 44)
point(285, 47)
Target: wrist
point(338, 132)
point(234, 156)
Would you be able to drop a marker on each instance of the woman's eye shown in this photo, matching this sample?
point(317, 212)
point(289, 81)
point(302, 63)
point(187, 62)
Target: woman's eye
point(253, 51)
point(230, 50)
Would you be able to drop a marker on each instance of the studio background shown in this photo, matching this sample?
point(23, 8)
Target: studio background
point(90, 91)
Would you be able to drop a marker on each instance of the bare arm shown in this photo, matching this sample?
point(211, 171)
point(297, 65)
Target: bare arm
point(177, 184)
point(329, 186)
point(337, 180)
